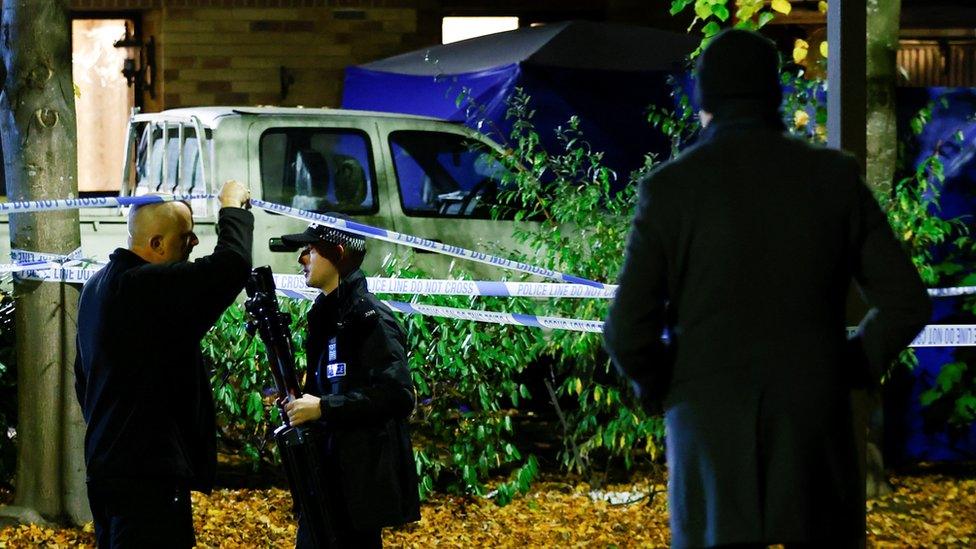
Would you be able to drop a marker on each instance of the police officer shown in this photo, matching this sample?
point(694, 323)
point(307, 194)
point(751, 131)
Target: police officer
point(359, 388)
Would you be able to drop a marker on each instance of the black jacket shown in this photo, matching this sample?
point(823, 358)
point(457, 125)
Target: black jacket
point(358, 366)
point(139, 373)
point(744, 249)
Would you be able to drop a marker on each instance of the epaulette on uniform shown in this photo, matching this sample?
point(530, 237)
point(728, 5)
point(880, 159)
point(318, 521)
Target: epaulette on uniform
point(363, 311)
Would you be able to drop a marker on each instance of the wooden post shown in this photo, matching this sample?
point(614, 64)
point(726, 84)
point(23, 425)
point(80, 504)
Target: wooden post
point(847, 76)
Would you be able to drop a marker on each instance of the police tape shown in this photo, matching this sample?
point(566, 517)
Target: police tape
point(946, 335)
point(490, 317)
point(494, 317)
point(484, 288)
point(487, 288)
point(17, 268)
point(55, 272)
point(933, 335)
point(23, 257)
point(952, 292)
point(420, 243)
point(293, 286)
point(68, 272)
point(29, 206)
point(305, 215)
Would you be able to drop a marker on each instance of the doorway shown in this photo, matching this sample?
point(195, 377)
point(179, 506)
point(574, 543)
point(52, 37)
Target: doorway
point(103, 102)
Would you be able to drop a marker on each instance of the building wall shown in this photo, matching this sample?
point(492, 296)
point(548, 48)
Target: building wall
point(215, 56)
point(263, 52)
point(211, 52)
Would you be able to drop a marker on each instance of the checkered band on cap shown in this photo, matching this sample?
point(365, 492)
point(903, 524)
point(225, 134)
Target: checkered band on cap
point(336, 236)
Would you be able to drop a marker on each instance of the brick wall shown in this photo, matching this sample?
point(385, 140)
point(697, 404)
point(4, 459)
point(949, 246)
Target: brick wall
point(224, 56)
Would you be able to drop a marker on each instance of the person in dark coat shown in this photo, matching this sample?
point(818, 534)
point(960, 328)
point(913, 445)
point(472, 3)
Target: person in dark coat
point(743, 249)
point(358, 387)
point(139, 373)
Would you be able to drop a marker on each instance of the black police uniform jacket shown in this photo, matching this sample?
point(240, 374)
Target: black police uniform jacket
point(358, 366)
point(744, 247)
point(139, 373)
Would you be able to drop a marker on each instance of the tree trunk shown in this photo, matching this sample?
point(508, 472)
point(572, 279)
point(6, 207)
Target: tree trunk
point(882, 47)
point(37, 124)
point(882, 149)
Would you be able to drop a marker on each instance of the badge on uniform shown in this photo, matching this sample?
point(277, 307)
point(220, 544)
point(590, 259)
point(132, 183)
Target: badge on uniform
point(337, 369)
point(333, 350)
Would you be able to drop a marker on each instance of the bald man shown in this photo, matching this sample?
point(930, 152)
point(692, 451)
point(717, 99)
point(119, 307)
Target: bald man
point(140, 375)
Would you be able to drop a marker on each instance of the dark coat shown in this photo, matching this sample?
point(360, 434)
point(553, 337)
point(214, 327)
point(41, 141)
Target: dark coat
point(358, 365)
point(744, 249)
point(139, 373)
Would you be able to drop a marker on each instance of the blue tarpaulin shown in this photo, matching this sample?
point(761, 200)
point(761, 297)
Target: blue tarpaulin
point(914, 432)
point(607, 74)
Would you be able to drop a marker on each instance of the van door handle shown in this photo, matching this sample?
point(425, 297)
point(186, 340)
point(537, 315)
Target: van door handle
point(422, 251)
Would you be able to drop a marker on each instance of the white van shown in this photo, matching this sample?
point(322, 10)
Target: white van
point(415, 175)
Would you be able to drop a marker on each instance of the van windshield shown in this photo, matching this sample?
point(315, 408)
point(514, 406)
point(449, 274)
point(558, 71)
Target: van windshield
point(445, 174)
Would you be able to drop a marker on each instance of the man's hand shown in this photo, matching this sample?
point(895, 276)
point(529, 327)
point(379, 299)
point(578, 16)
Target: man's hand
point(304, 409)
point(234, 195)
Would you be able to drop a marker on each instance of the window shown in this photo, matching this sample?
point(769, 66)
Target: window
point(180, 173)
point(316, 169)
point(103, 101)
point(444, 174)
point(455, 29)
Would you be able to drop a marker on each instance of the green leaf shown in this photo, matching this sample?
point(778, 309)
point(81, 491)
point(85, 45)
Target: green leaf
point(702, 9)
point(677, 6)
point(255, 407)
point(711, 29)
point(764, 17)
point(720, 11)
point(929, 396)
point(950, 375)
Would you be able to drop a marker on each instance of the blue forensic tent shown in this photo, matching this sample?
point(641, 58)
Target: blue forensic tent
point(606, 73)
point(914, 432)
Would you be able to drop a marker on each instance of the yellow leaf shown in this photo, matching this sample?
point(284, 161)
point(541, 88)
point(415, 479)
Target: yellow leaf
point(821, 132)
point(782, 6)
point(77, 90)
point(801, 118)
point(907, 235)
point(800, 49)
point(596, 394)
point(822, 6)
point(823, 49)
point(747, 8)
point(579, 386)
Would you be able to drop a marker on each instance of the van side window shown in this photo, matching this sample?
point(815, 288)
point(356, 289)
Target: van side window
point(318, 169)
point(445, 174)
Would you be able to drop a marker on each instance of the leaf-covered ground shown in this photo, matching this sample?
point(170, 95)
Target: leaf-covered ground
point(927, 509)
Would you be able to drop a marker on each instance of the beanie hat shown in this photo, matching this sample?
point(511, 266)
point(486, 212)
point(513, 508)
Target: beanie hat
point(738, 67)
